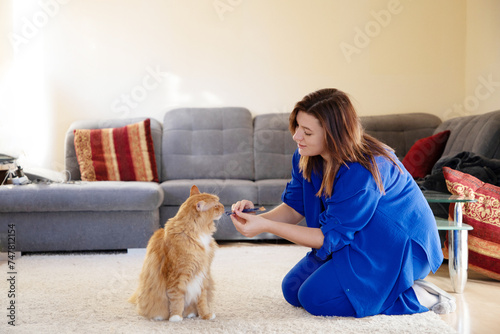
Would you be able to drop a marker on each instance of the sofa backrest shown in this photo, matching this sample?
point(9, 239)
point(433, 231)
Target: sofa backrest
point(400, 131)
point(207, 143)
point(71, 161)
point(274, 146)
point(479, 134)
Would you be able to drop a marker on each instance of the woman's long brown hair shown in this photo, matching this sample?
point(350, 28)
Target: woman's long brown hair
point(345, 138)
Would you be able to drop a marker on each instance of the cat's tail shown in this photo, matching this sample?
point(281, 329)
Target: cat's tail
point(133, 298)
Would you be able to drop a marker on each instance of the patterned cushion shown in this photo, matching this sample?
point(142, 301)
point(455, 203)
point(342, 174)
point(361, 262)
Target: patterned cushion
point(116, 154)
point(484, 216)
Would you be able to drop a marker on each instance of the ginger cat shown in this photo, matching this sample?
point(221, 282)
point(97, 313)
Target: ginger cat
point(175, 280)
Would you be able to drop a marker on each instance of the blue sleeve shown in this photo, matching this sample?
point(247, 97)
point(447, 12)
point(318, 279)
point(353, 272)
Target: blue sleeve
point(349, 209)
point(293, 195)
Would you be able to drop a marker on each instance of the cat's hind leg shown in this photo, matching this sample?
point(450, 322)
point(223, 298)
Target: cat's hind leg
point(153, 306)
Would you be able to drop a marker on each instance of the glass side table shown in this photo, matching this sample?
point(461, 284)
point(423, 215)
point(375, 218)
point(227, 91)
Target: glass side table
point(458, 251)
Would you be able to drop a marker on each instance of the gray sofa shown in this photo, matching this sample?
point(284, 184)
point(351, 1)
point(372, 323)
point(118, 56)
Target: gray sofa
point(224, 151)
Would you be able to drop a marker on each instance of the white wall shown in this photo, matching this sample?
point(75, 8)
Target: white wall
point(482, 70)
point(98, 59)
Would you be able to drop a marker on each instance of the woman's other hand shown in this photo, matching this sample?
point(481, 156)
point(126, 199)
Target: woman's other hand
point(248, 224)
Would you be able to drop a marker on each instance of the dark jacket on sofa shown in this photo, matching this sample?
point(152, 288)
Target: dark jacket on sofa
point(485, 169)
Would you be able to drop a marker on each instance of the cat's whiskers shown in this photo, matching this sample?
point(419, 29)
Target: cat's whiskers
point(216, 190)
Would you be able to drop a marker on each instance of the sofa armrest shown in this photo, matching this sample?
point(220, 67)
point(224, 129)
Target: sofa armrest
point(479, 134)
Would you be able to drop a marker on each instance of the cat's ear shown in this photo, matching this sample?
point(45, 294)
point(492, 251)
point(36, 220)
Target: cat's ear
point(202, 206)
point(194, 190)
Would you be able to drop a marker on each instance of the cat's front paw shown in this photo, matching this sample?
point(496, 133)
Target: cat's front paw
point(175, 318)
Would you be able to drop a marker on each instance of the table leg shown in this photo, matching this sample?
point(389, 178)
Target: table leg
point(458, 253)
point(458, 259)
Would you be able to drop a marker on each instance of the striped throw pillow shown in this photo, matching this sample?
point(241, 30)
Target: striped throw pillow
point(117, 154)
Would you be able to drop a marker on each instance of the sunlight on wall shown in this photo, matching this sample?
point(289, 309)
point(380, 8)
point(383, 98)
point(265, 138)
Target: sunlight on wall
point(27, 125)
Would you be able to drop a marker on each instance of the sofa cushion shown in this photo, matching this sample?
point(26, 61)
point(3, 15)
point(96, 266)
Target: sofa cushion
point(269, 191)
point(477, 133)
point(425, 153)
point(81, 196)
point(81, 230)
point(400, 131)
point(71, 161)
point(207, 143)
point(229, 191)
point(483, 216)
point(117, 154)
point(274, 146)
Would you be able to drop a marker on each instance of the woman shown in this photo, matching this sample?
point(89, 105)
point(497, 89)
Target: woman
point(372, 233)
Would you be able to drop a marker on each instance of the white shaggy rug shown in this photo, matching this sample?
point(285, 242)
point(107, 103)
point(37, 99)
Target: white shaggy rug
point(88, 294)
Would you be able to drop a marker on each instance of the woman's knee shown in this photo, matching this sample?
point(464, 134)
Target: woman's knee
point(296, 277)
point(315, 300)
point(290, 287)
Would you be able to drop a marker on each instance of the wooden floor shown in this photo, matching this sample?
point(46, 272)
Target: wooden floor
point(478, 308)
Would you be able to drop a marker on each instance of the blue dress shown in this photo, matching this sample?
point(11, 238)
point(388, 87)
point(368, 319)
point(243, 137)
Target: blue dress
point(375, 245)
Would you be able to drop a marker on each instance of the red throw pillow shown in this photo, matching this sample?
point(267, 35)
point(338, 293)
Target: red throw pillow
point(425, 153)
point(483, 216)
point(117, 154)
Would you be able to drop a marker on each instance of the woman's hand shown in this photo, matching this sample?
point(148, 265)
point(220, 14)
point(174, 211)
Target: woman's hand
point(249, 224)
point(240, 206)
point(281, 221)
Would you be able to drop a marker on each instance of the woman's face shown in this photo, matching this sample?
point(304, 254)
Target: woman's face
point(310, 136)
